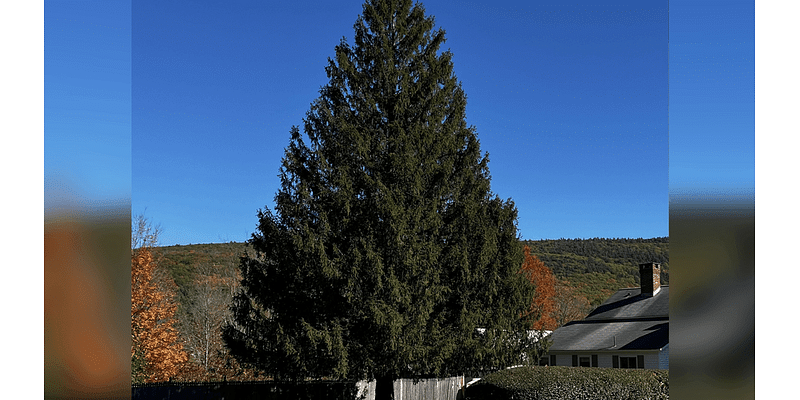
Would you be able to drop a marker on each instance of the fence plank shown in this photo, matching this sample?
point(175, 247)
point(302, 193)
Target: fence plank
point(435, 389)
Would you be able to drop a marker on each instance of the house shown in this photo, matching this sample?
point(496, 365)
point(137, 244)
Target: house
point(629, 330)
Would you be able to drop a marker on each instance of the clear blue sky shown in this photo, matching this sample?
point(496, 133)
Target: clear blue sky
point(712, 91)
point(570, 102)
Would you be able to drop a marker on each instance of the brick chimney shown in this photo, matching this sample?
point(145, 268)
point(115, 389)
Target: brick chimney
point(650, 278)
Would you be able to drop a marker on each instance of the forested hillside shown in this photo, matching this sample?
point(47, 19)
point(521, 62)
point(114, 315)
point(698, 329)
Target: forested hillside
point(183, 262)
point(598, 267)
point(206, 277)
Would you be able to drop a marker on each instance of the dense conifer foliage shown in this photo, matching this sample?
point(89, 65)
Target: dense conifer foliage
point(387, 249)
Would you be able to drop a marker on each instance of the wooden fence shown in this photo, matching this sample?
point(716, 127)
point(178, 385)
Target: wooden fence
point(407, 389)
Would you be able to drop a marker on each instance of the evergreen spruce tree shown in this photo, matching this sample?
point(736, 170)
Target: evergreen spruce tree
point(387, 249)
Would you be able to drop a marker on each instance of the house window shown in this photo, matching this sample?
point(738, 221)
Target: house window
point(584, 361)
point(627, 362)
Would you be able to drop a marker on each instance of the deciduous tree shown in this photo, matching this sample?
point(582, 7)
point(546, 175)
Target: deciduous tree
point(206, 312)
point(569, 304)
point(387, 249)
point(544, 281)
point(156, 352)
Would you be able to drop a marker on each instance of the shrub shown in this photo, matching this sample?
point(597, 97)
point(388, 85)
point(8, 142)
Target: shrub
point(559, 383)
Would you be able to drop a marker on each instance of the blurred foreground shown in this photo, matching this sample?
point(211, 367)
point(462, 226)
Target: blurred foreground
point(87, 302)
point(712, 306)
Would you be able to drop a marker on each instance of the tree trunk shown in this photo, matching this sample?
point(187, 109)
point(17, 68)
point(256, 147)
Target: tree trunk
point(384, 387)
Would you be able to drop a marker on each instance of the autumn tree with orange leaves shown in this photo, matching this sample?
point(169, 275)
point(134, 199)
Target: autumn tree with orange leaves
point(543, 279)
point(156, 352)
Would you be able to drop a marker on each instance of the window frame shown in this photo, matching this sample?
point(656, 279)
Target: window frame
point(631, 361)
point(627, 362)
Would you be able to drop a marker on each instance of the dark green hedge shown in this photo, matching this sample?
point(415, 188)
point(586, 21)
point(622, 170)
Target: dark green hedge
point(560, 383)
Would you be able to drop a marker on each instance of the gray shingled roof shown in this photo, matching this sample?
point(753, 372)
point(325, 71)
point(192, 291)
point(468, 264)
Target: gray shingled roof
point(626, 321)
point(627, 303)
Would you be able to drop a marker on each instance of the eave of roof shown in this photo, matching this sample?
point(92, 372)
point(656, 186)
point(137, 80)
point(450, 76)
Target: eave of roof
point(644, 334)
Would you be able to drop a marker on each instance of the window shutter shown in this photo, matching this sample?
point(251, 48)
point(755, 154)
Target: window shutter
point(574, 361)
point(640, 362)
point(615, 361)
point(594, 360)
point(553, 360)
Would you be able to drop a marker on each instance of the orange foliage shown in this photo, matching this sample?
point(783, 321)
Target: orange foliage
point(152, 320)
point(544, 281)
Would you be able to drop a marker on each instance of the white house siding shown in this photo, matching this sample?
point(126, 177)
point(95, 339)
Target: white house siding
point(663, 358)
point(651, 361)
point(564, 360)
point(604, 361)
point(658, 360)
